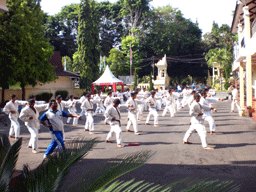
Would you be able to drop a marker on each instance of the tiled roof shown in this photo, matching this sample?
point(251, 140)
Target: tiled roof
point(56, 61)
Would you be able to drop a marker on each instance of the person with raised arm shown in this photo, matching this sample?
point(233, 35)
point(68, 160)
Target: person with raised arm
point(11, 108)
point(113, 116)
point(53, 120)
point(197, 122)
point(29, 115)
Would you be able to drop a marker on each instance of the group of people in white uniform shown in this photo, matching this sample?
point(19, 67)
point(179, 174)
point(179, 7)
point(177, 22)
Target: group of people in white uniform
point(200, 108)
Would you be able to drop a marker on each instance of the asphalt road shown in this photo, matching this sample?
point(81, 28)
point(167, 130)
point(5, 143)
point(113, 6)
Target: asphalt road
point(233, 157)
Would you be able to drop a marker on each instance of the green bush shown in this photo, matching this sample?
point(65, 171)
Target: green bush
point(63, 93)
point(226, 85)
point(46, 96)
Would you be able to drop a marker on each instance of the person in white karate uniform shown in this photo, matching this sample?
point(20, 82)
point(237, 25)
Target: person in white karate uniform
point(197, 122)
point(169, 104)
point(158, 97)
point(208, 112)
point(152, 109)
point(88, 106)
point(11, 108)
point(36, 102)
point(112, 115)
point(60, 106)
point(99, 102)
point(186, 93)
point(29, 115)
point(191, 98)
point(109, 100)
point(234, 99)
point(141, 96)
point(71, 105)
point(132, 105)
point(176, 96)
point(82, 98)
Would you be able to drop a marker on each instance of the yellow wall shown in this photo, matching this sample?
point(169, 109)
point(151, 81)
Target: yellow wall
point(62, 83)
point(3, 6)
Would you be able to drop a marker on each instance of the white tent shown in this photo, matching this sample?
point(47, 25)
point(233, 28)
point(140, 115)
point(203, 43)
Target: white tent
point(107, 78)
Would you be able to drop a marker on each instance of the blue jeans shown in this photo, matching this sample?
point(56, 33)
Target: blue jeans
point(57, 141)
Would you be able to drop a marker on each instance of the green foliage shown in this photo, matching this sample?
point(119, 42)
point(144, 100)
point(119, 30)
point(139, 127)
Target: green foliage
point(63, 93)
point(186, 81)
point(88, 43)
point(66, 24)
point(118, 65)
point(68, 63)
point(8, 159)
point(135, 13)
point(168, 32)
point(226, 85)
point(46, 96)
point(216, 86)
point(29, 51)
point(135, 83)
point(151, 85)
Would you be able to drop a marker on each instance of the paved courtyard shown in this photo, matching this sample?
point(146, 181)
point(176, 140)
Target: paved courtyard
point(233, 158)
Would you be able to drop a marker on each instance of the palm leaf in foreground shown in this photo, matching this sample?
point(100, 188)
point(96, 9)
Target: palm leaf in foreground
point(99, 177)
point(201, 185)
point(50, 175)
point(9, 162)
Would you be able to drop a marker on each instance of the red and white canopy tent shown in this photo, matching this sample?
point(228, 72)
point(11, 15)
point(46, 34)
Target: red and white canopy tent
point(107, 78)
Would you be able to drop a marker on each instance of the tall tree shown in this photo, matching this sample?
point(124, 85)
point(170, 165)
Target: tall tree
point(134, 14)
point(62, 29)
point(221, 50)
point(180, 39)
point(88, 43)
point(110, 26)
point(30, 51)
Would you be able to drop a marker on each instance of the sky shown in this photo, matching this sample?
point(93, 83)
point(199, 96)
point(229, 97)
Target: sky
point(204, 11)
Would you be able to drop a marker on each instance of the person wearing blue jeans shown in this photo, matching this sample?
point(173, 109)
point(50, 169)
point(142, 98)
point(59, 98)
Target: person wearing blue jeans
point(53, 119)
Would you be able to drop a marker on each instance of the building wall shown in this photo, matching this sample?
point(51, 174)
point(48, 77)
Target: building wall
point(3, 6)
point(62, 83)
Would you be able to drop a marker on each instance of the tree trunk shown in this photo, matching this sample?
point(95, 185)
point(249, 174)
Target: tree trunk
point(3, 90)
point(23, 92)
point(220, 81)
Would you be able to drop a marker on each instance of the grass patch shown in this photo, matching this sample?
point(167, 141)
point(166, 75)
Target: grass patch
point(223, 91)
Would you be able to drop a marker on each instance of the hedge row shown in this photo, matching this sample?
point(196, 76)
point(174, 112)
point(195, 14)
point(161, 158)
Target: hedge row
point(46, 96)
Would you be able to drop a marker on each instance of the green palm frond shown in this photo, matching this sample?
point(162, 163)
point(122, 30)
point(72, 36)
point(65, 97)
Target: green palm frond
point(51, 173)
point(9, 161)
point(99, 177)
point(201, 185)
point(213, 186)
point(4, 147)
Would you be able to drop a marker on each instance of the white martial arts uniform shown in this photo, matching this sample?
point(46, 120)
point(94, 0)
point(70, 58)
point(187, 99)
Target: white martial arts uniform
point(169, 105)
point(234, 100)
point(141, 96)
point(71, 105)
point(115, 126)
point(132, 112)
point(197, 123)
point(39, 102)
point(176, 96)
point(186, 94)
point(158, 97)
point(33, 125)
point(152, 110)
point(10, 106)
point(208, 112)
point(99, 103)
point(108, 101)
point(88, 105)
point(61, 106)
point(191, 100)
